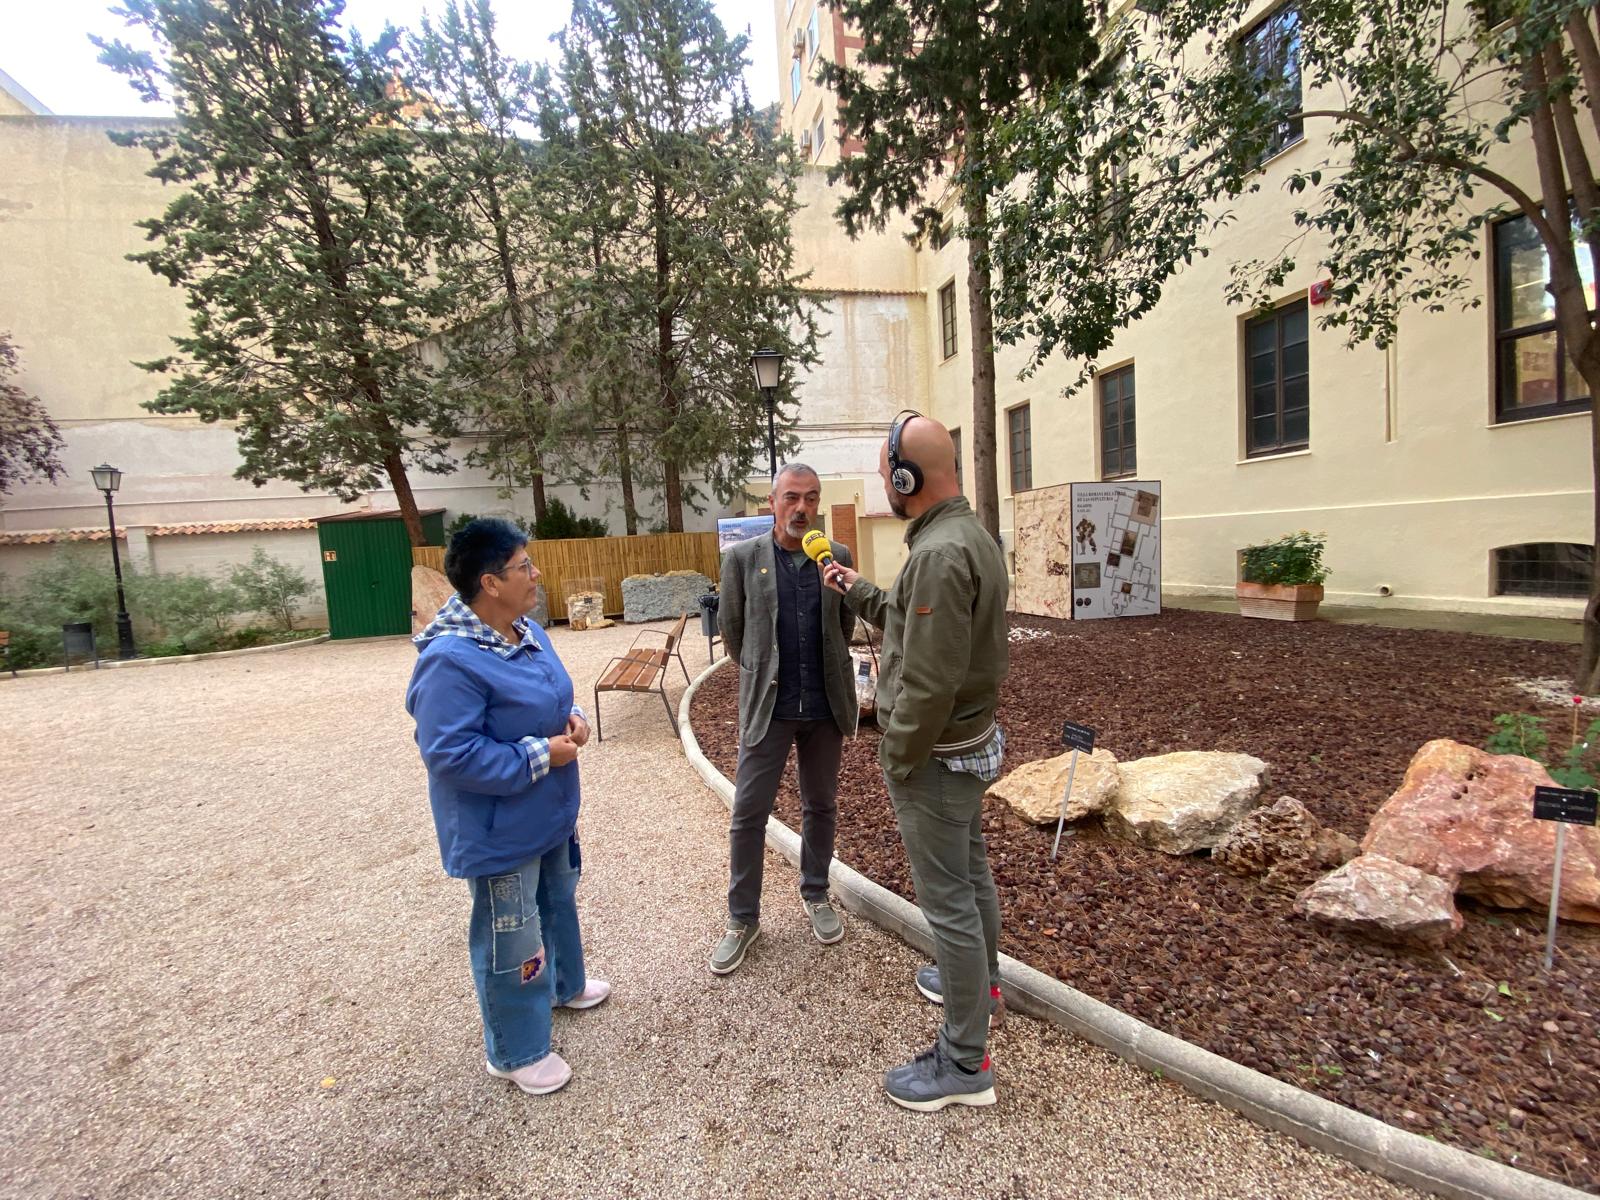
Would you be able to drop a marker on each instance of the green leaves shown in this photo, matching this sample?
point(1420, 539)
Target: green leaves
point(300, 241)
point(30, 441)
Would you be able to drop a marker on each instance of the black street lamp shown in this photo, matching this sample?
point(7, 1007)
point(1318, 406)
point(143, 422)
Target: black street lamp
point(768, 365)
point(108, 479)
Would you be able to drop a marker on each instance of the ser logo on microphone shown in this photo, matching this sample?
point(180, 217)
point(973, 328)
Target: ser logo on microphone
point(818, 548)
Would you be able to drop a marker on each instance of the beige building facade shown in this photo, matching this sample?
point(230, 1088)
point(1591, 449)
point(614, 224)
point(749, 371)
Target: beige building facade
point(1445, 471)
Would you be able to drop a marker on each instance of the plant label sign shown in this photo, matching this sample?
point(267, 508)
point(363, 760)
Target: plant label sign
point(1081, 737)
point(1571, 806)
point(1566, 806)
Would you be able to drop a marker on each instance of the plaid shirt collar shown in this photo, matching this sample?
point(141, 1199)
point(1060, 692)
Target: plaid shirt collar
point(456, 619)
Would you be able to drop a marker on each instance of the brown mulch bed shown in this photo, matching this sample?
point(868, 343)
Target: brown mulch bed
point(1474, 1045)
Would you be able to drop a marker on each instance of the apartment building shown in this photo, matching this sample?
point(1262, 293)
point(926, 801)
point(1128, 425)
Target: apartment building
point(1451, 471)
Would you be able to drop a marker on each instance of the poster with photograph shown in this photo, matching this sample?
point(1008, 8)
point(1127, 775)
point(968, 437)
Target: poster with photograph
point(1116, 549)
point(739, 529)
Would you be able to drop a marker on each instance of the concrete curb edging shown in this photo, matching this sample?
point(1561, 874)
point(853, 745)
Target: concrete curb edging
point(1379, 1147)
point(119, 664)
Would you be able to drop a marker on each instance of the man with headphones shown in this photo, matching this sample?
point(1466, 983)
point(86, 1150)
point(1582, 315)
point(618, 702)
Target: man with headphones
point(945, 654)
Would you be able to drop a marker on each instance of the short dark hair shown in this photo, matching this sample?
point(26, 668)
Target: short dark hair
point(480, 547)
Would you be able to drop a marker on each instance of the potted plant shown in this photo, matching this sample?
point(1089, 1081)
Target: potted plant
point(1283, 578)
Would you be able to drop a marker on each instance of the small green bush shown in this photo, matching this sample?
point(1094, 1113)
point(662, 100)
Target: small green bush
point(1524, 734)
point(1290, 559)
point(559, 523)
point(77, 584)
point(270, 587)
point(191, 611)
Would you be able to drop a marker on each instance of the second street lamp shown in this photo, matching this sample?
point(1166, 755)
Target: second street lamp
point(768, 366)
point(108, 479)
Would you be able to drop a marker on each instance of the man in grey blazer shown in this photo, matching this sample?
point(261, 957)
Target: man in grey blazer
point(791, 639)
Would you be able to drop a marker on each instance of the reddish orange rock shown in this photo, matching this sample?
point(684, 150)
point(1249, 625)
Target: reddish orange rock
point(1467, 816)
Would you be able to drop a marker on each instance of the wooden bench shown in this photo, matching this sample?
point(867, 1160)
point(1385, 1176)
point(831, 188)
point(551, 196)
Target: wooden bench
point(644, 669)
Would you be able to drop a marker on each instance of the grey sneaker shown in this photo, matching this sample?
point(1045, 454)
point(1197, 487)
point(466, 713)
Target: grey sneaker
point(730, 951)
point(931, 1081)
point(825, 922)
point(928, 984)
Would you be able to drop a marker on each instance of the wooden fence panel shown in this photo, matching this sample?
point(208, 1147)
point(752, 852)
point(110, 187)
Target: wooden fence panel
point(610, 560)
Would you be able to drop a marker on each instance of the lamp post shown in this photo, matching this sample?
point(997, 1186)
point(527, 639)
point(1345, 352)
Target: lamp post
point(768, 365)
point(108, 479)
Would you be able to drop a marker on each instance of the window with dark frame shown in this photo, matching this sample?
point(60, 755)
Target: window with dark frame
point(1544, 569)
point(940, 237)
point(955, 438)
point(1533, 375)
point(1019, 429)
point(1272, 56)
point(1278, 391)
point(1117, 459)
point(947, 318)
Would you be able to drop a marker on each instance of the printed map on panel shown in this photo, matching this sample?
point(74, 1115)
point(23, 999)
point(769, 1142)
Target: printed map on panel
point(1116, 549)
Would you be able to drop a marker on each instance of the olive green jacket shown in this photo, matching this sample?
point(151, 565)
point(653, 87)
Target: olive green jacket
point(944, 639)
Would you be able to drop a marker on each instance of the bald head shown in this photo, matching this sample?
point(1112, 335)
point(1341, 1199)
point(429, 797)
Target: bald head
point(928, 444)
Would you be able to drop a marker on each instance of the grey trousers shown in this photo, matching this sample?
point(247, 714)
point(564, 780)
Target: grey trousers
point(818, 747)
point(940, 813)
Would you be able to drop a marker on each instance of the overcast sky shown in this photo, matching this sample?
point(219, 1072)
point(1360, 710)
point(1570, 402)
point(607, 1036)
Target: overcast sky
point(44, 45)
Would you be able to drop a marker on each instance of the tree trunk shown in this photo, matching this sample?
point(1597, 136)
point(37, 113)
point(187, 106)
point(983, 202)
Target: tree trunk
point(630, 509)
point(1587, 679)
point(985, 467)
point(539, 502)
point(666, 362)
point(407, 503)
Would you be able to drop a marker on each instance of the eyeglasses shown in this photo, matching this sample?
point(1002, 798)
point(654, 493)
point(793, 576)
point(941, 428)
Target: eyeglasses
point(525, 566)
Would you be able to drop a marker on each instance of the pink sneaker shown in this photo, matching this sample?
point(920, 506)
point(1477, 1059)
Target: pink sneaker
point(549, 1074)
point(594, 992)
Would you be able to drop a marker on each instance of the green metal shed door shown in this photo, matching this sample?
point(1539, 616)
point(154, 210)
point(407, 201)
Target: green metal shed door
point(366, 569)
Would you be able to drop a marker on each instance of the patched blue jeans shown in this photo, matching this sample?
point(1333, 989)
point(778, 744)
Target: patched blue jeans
point(527, 952)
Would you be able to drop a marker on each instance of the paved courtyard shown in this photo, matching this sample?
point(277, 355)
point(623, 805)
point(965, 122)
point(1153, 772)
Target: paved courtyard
point(233, 966)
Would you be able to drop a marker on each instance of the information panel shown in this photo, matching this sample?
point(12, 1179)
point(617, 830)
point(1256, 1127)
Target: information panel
point(1116, 549)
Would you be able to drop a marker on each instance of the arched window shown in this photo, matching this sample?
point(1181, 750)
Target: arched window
point(1544, 569)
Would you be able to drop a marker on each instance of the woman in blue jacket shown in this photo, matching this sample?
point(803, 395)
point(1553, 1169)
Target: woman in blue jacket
point(500, 734)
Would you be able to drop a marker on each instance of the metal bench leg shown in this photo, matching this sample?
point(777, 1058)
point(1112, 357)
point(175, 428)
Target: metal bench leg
point(671, 720)
point(599, 736)
point(679, 655)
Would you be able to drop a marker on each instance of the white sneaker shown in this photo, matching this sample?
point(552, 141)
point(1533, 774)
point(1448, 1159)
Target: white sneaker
point(594, 992)
point(549, 1074)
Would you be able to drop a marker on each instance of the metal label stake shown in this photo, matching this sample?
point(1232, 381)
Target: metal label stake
point(1072, 769)
point(1079, 737)
point(1567, 806)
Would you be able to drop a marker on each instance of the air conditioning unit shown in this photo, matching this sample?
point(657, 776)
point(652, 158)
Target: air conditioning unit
point(805, 142)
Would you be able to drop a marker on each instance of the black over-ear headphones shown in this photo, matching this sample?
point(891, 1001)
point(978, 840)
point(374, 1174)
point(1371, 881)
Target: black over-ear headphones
point(904, 475)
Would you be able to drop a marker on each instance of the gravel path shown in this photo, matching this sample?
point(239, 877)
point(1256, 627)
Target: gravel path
point(232, 966)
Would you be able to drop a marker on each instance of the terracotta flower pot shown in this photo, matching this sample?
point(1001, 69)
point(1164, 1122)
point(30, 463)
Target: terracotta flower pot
point(1279, 601)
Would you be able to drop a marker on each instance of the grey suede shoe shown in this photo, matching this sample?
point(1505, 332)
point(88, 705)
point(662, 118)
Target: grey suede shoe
point(928, 984)
point(730, 951)
point(931, 1081)
point(825, 922)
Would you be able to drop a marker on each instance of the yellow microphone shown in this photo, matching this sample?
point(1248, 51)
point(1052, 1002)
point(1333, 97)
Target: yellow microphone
point(817, 547)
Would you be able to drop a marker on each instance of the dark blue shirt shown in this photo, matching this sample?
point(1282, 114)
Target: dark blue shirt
point(802, 695)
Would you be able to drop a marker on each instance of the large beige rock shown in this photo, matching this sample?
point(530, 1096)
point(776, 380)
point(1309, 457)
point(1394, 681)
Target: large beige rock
point(1383, 899)
point(1284, 844)
point(1034, 789)
point(1467, 816)
point(429, 590)
point(1183, 802)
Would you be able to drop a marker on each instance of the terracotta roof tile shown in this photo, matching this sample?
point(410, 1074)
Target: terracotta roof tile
point(46, 537)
